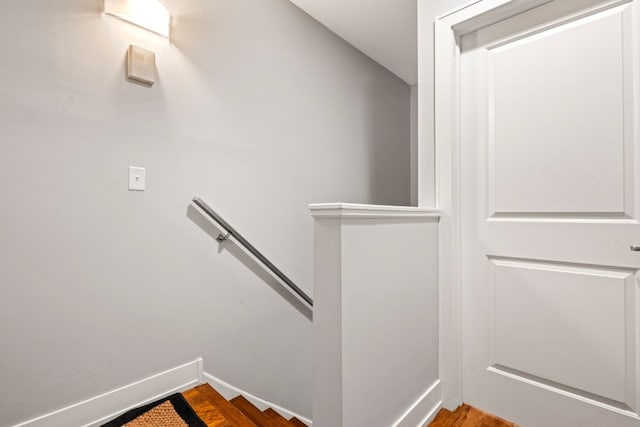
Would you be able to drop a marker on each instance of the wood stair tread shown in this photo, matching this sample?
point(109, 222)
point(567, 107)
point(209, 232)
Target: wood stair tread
point(205, 410)
point(296, 422)
point(253, 413)
point(216, 411)
point(231, 414)
point(278, 419)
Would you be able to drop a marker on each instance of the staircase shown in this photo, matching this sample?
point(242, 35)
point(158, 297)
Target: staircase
point(216, 411)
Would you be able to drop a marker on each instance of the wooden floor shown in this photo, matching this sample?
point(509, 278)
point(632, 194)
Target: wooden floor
point(216, 411)
point(467, 416)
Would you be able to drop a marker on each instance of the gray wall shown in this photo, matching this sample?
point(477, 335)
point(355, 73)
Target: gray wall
point(257, 108)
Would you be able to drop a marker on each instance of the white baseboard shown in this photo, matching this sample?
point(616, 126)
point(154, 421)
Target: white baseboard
point(99, 409)
point(423, 410)
point(229, 392)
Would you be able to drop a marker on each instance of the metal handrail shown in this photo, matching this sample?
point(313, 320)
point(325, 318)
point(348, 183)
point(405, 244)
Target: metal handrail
point(255, 252)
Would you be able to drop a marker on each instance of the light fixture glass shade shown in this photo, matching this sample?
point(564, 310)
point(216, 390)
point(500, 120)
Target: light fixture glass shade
point(151, 15)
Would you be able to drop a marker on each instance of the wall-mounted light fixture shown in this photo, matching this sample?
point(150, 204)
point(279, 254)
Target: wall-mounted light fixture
point(151, 15)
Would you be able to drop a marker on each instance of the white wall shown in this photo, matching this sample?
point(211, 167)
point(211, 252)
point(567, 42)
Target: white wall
point(390, 312)
point(257, 108)
point(376, 316)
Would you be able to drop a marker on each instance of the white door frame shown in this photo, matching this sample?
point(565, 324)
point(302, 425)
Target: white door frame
point(449, 28)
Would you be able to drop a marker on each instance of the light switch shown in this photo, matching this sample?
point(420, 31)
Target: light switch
point(141, 65)
point(137, 179)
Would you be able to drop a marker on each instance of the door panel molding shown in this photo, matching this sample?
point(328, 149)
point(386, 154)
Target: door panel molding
point(552, 300)
point(563, 389)
point(579, 178)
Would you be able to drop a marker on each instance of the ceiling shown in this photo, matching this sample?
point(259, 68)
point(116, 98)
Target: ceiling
point(385, 30)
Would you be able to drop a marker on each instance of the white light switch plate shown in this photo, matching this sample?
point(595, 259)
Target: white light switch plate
point(137, 179)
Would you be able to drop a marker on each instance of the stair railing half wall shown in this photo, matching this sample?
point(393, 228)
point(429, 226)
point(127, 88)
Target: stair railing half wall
point(231, 232)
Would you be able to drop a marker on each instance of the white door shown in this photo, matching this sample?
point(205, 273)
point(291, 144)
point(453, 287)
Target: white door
point(550, 207)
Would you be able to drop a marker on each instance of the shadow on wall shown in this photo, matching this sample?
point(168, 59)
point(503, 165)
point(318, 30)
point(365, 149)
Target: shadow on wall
point(241, 255)
point(389, 153)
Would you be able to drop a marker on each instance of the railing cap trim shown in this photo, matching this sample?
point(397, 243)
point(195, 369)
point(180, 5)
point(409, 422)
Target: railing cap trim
point(355, 210)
